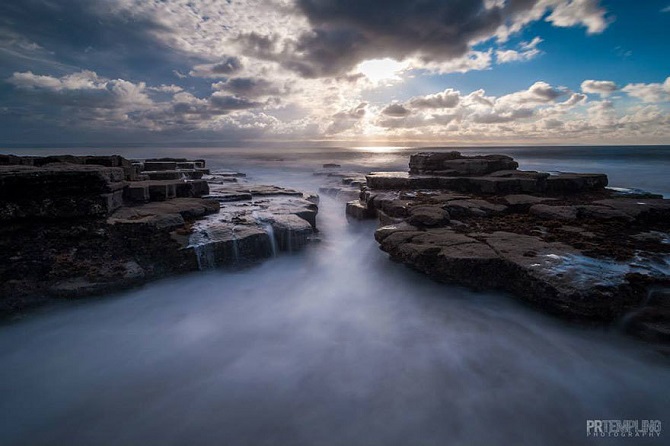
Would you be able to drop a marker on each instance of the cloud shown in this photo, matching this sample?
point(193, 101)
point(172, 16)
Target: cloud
point(654, 92)
point(579, 12)
point(347, 119)
point(473, 60)
point(449, 98)
point(433, 32)
point(603, 88)
point(229, 65)
point(538, 93)
point(251, 87)
point(574, 99)
point(528, 51)
point(396, 110)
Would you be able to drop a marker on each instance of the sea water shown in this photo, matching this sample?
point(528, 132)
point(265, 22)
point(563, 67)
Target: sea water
point(335, 345)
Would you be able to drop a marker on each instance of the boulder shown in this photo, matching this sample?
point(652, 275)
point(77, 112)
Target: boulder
point(427, 216)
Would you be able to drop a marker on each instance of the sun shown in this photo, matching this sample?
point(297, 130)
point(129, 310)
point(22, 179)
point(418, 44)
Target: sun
point(378, 70)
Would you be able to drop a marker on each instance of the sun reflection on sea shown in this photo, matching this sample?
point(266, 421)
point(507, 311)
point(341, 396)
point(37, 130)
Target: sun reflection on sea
point(379, 149)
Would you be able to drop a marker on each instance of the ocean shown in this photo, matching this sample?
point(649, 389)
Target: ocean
point(335, 345)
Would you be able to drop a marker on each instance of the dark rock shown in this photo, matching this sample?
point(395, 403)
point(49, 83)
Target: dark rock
point(59, 191)
point(96, 224)
point(547, 212)
point(575, 182)
point(507, 230)
point(358, 211)
point(160, 165)
point(427, 216)
point(455, 164)
point(473, 207)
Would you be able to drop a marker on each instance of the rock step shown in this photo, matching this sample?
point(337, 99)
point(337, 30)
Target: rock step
point(514, 182)
point(167, 215)
point(198, 162)
point(59, 190)
point(160, 190)
point(455, 164)
point(173, 174)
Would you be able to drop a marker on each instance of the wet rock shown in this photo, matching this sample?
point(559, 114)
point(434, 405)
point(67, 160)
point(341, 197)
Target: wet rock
point(575, 182)
point(474, 207)
point(652, 321)
point(401, 180)
point(523, 202)
point(331, 166)
point(507, 230)
point(160, 165)
point(96, 224)
point(455, 164)
point(547, 212)
point(56, 191)
point(108, 278)
point(359, 211)
point(639, 209)
point(602, 213)
point(431, 216)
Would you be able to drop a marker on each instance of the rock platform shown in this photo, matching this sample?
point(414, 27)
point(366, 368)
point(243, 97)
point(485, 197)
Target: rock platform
point(76, 226)
point(562, 242)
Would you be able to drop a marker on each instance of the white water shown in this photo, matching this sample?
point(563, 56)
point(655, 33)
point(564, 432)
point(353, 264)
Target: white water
point(271, 235)
point(332, 346)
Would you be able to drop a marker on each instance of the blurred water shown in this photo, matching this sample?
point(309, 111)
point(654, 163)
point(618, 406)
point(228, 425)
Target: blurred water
point(333, 346)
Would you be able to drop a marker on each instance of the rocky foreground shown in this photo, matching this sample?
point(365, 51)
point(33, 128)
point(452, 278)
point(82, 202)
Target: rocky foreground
point(74, 226)
point(563, 242)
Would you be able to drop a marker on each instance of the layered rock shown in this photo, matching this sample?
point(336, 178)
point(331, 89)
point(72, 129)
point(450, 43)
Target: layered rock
point(566, 245)
point(73, 228)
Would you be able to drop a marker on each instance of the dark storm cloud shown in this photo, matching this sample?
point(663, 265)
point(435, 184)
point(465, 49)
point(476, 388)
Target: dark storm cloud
point(225, 102)
point(88, 34)
point(250, 87)
point(349, 31)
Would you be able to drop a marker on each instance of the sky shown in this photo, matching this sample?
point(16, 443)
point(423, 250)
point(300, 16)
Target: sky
point(461, 72)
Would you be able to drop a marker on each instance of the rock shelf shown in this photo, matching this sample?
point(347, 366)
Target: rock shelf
point(562, 242)
point(75, 226)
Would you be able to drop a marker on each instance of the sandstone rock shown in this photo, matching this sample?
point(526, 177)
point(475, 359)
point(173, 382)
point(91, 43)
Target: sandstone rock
point(357, 210)
point(455, 164)
point(59, 191)
point(575, 182)
point(639, 209)
point(160, 165)
point(547, 212)
point(602, 213)
point(473, 207)
point(401, 180)
point(432, 216)
point(525, 201)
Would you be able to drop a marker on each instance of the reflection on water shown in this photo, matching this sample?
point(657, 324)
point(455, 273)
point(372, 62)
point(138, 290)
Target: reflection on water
point(333, 346)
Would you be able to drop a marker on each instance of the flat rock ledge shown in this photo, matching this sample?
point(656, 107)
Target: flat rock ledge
point(78, 226)
point(564, 243)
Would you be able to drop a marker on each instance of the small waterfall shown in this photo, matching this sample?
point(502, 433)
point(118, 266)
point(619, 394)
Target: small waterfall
point(266, 224)
point(236, 248)
point(289, 240)
point(271, 235)
point(205, 254)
